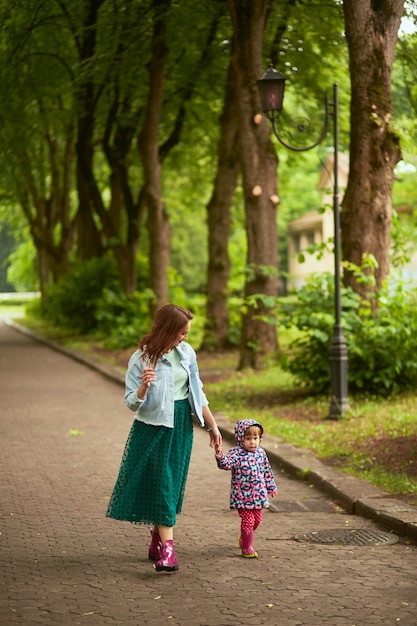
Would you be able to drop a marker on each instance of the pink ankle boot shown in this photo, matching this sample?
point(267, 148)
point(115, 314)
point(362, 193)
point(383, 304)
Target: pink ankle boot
point(168, 561)
point(154, 553)
point(245, 542)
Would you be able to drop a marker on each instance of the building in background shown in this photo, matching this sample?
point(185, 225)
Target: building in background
point(317, 227)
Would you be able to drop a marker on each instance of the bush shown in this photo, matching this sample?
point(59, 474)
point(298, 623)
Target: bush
point(382, 348)
point(73, 302)
point(90, 299)
point(122, 319)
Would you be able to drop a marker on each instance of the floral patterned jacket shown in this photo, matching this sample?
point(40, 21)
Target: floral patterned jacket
point(252, 478)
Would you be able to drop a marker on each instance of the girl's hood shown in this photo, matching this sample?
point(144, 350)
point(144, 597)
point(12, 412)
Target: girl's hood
point(241, 427)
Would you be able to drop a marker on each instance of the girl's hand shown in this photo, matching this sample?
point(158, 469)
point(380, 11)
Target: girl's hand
point(218, 449)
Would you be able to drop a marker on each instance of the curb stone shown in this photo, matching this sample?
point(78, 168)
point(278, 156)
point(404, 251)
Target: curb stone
point(355, 495)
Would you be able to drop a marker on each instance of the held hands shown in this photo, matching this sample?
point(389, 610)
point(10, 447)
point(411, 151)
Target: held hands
point(212, 428)
point(218, 449)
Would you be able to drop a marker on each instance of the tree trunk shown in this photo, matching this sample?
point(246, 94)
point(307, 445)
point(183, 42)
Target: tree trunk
point(89, 240)
point(158, 220)
point(258, 164)
point(371, 31)
point(125, 245)
point(122, 232)
point(47, 210)
point(218, 213)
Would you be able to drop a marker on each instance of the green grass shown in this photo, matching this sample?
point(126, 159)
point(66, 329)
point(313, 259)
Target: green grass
point(11, 309)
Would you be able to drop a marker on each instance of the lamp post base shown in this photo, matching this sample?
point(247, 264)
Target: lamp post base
point(339, 375)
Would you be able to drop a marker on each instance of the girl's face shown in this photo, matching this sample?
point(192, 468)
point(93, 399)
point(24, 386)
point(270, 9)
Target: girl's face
point(182, 335)
point(252, 439)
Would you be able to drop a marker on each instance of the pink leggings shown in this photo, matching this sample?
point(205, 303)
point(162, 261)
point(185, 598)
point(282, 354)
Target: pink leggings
point(250, 519)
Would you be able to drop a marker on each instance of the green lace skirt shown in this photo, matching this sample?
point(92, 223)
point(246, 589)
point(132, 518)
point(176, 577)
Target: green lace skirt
point(153, 471)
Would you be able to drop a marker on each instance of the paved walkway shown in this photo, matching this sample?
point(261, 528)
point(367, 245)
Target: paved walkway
point(63, 428)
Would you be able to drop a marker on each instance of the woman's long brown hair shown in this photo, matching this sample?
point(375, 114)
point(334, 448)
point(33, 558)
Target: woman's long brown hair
point(168, 322)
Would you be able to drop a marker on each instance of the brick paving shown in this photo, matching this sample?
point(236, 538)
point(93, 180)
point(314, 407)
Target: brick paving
point(63, 429)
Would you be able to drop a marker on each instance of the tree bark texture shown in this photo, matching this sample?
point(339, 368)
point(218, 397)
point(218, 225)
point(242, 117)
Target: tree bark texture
point(218, 217)
point(89, 240)
point(371, 31)
point(48, 212)
point(122, 234)
point(158, 219)
point(258, 165)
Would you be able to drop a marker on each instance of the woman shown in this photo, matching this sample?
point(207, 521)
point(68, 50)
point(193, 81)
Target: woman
point(164, 389)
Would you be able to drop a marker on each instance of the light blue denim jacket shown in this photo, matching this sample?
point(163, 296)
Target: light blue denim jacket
point(157, 408)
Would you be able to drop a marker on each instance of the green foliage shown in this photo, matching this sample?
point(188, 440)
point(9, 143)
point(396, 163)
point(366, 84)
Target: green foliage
point(122, 319)
point(382, 347)
point(185, 197)
point(7, 244)
point(91, 300)
point(22, 271)
point(45, 83)
point(74, 301)
point(405, 92)
point(234, 307)
point(311, 313)
point(404, 215)
point(17, 251)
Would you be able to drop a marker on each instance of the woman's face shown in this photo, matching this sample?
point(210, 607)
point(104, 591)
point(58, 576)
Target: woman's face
point(182, 335)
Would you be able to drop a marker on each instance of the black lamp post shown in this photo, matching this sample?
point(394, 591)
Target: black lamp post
point(271, 88)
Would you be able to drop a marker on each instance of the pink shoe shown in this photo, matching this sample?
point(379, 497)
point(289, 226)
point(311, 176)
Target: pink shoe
point(154, 553)
point(168, 561)
point(245, 543)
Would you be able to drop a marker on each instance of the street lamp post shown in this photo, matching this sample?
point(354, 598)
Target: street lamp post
point(271, 89)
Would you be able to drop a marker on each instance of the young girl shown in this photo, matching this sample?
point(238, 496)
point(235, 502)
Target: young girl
point(164, 389)
point(252, 480)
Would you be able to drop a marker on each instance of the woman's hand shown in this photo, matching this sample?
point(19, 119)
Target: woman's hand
point(148, 375)
point(210, 422)
point(215, 438)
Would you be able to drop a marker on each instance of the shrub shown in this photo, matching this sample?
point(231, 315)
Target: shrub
point(73, 302)
point(122, 319)
point(382, 348)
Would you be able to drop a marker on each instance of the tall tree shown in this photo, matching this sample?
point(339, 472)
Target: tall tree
point(37, 144)
point(103, 51)
point(163, 61)
point(85, 36)
point(218, 215)
point(158, 220)
point(371, 32)
point(258, 164)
